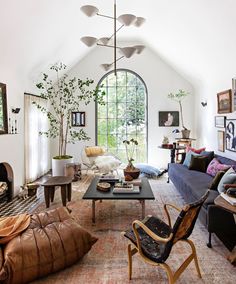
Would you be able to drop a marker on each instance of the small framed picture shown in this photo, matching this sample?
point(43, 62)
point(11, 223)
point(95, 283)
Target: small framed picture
point(224, 101)
point(220, 121)
point(168, 118)
point(78, 118)
point(234, 92)
point(221, 140)
point(230, 136)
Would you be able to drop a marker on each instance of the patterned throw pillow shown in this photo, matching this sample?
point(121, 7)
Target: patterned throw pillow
point(215, 166)
point(198, 151)
point(188, 157)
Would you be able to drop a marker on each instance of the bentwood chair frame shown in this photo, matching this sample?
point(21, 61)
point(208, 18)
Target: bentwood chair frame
point(181, 230)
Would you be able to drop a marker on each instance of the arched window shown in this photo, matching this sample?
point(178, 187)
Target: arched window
point(124, 116)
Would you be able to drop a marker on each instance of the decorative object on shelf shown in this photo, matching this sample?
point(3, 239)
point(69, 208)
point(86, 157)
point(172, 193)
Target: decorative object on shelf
point(220, 121)
point(230, 136)
point(221, 140)
point(178, 97)
point(124, 20)
point(224, 101)
point(103, 186)
point(13, 121)
point(234, 93)
point(3, 109)
point(168, 118)
point(64, 96)
point(78, 118)
point(131, 170)
point(165, 141)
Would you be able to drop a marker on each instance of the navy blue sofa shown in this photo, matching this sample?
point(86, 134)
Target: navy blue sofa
point(192, 185)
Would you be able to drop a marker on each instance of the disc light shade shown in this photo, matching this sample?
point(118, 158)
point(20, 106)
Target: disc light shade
point(88, 40)
point(126, 19)
point(139, 21)
point(106, 67)
point(89, 10)
point(127, 51)
point(139, 48)
point(104, 40)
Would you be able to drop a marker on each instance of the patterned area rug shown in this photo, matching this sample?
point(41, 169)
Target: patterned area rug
point(107, 260)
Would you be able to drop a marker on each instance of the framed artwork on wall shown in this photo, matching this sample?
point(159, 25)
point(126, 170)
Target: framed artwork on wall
point(220, 121)
point(78, 118)
point(221, 140)
point(224, 101)
point(230, 136)
point(168, 118)
point(234, 92)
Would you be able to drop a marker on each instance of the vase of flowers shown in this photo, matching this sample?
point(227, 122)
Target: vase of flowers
point(131, 171)
point(178, 97)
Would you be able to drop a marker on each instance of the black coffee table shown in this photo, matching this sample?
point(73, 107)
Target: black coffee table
point(93, 194)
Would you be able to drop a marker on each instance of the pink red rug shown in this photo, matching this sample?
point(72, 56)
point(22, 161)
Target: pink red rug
point(107, 260)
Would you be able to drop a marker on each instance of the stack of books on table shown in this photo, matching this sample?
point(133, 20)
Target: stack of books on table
point(231, 200)
point(125, 188)
point(109, 178)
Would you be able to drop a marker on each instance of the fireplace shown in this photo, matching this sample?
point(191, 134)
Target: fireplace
point(6, 175)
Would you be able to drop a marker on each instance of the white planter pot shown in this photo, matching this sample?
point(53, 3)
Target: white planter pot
point(58, 166)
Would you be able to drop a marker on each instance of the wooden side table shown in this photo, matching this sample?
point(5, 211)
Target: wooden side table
point(221, 202)
point(182, 142)
point(49, 189)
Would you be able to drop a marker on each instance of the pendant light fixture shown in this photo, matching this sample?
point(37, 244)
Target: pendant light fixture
point(125, 20)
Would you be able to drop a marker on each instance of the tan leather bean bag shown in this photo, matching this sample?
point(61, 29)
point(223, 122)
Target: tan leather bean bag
point(53, 241)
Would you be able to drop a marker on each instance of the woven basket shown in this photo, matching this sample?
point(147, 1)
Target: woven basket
point(103, 186)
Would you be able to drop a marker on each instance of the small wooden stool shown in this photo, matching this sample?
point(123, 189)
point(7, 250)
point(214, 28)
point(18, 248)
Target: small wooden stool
point(49, 189)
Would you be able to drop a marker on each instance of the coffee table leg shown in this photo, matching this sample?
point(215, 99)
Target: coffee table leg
point(143, 208)
point(63, 194)
point(93, 211)
point(69, 192)
point(47, 196)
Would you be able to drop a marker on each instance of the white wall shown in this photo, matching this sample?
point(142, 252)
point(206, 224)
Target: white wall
point(160, 79)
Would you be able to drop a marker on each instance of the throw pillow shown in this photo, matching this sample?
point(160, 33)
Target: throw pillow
point(209, 155)
point(198, 163)
point(228, 178)
point(94, 151)
point(216, 180)
point(215, 166)
point(148, 171)
point(198, 151)
point(188, 156)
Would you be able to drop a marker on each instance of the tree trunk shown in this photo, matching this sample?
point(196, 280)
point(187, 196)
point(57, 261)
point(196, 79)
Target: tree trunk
point(181, 115)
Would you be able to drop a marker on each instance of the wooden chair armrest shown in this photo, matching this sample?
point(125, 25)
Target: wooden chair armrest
point(167, 212)
point(149, 232)
point(226, 186)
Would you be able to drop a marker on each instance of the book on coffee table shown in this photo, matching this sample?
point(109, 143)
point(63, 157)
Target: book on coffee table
point(126, 189)
point(231, 200)
point(109, 178)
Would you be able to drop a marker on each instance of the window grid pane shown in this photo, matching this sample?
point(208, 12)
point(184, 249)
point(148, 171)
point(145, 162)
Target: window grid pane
point(124, 115)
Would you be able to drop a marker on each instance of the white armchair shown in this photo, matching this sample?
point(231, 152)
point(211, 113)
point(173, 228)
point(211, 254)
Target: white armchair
point(95, 158)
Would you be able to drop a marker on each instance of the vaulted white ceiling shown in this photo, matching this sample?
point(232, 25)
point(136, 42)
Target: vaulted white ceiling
point(197, 37)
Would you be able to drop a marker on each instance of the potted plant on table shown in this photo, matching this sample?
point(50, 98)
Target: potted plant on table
point(64, 95)
point(178, 97)
point(131, 171)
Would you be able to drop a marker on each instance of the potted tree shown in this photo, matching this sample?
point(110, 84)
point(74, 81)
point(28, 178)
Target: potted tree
point(178, 97)
point(131, 170)
point(64, 95)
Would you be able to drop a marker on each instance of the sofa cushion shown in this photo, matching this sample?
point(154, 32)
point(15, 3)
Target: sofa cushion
point(53, 241)
point(214, 184)
point(228, 178)
point(198, 163)
point(209, 155)
point(215, 166)
point(188, 157)
point(197, 151)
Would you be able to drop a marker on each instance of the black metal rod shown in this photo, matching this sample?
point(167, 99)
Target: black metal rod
point(115, 36)
point(105, 16)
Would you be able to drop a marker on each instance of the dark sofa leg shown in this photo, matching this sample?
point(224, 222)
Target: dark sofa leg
point(209, 241)
point(168, 180)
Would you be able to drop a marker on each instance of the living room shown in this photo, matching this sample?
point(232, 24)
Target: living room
point(185, 49)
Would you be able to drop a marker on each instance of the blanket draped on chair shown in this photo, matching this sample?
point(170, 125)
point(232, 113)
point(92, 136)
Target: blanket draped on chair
point(12, 226)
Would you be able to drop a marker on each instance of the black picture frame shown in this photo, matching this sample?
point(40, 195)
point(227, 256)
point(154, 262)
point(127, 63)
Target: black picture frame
point(168, 118)
point(220, 121)
point(78, 119)
point(3, 109)
point(230, 135)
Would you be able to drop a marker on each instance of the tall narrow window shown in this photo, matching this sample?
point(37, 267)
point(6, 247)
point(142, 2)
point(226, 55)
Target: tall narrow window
point(124, 116)
point(37, 157)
